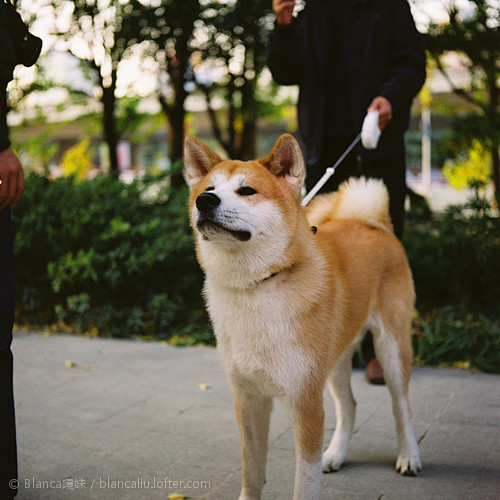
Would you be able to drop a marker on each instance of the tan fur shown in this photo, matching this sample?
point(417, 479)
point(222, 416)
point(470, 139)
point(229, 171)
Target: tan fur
point(339, 205)
point(288, 306)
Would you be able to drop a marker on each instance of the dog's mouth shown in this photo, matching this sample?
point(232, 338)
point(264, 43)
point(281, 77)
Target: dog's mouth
point(205, 225)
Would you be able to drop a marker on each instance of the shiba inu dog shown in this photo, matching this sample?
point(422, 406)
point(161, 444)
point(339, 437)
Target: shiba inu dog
point(289, 305)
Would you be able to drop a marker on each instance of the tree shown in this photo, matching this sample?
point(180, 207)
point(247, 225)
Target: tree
point(235, 37)
point(167, 27)
point(99, 35)
point(477, 37)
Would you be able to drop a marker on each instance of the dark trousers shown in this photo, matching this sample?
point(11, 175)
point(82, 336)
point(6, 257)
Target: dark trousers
point(391, 170)
point(8, 453)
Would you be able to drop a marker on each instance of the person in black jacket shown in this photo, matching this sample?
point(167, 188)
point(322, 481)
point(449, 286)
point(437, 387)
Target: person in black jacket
point(349, 57)
point(11, 188)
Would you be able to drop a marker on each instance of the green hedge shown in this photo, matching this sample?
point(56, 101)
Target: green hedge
point(105, 257)
point(455, 258)
point(458, 336)
point(118, 260)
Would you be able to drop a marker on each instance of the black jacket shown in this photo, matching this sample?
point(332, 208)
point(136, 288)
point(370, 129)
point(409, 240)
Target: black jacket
point(384, 54)
point(8, 60)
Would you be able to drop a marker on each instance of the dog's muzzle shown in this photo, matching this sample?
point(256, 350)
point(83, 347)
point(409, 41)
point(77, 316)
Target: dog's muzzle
point(206, 203)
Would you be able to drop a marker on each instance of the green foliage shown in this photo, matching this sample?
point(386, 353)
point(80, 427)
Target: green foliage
point(474, 35)
point(455, 258)
point(108, 258)
point(454, 336)
point(114, 259)
point(235, 41)
point(165, 30)
point(128, 117)
point(37, 151)
point(455, 261)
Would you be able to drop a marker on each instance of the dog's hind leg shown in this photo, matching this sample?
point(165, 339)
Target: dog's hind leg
point(339, 384)
point(253, 413)
point(395, 355)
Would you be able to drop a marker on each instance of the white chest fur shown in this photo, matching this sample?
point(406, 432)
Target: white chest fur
point(257, 334)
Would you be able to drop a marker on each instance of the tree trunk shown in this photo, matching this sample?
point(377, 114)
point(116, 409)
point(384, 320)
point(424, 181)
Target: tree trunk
point(109, 126)
point(248, 150)
point(495, 141)
point(248, 144)
point(177, 66)
point(175, 115)
point(176, 142)
point(495, 170)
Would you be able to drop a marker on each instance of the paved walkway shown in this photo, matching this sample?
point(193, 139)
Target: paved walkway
point(106, 418)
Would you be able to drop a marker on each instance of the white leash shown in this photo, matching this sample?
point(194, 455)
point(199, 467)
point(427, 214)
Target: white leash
point(369, 136)
point(329, 172)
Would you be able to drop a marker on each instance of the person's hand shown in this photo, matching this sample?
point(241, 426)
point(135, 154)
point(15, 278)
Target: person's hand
point(384, 108)
point(11, 175)
point(283, 9)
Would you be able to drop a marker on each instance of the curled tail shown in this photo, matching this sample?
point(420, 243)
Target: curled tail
point(362, 199)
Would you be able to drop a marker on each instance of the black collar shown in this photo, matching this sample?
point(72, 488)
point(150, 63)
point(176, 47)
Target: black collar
point(269, 277)
point(258, 282)
point(273, 275)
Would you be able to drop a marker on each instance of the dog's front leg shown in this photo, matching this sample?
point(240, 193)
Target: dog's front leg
point(253, 413)
point(307, 417)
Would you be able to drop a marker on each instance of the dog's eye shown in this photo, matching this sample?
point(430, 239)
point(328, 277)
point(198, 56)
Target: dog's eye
point(210, 188)
point(246, 191)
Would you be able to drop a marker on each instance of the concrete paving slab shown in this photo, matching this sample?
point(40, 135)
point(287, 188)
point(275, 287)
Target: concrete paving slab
point(129, 420)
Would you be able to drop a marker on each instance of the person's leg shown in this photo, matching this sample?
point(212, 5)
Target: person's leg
point(8, 452)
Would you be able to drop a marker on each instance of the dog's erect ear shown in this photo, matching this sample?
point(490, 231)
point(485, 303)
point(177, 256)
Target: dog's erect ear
point(285, 160)
point(199, 160)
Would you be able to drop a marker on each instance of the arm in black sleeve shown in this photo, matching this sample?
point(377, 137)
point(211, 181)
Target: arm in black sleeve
point(8, 60)
point(4, 132)
point(407, 62)
point(285, 54)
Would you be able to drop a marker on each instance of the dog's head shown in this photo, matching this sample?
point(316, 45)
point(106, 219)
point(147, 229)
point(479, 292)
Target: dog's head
point(245, 211)
point(235, 202)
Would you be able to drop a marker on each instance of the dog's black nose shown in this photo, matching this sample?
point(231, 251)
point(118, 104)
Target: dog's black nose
point(206, 202)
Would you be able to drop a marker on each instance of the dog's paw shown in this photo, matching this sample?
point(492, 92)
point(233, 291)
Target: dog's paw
point(408, 465)
point(331, 461)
